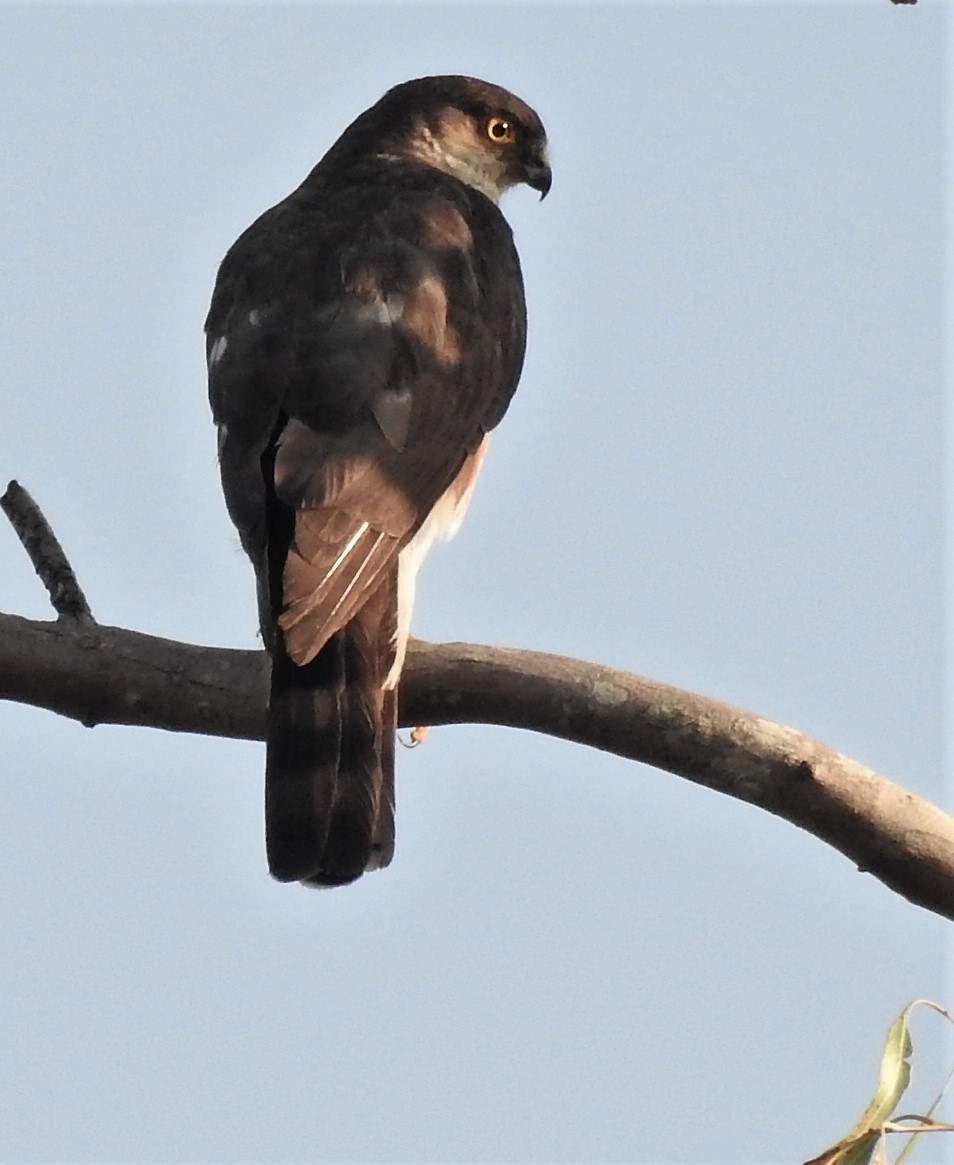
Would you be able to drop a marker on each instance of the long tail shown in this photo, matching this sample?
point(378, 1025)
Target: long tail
point(329, 773)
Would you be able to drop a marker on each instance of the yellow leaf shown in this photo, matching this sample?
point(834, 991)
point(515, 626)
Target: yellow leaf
point(894, 1075)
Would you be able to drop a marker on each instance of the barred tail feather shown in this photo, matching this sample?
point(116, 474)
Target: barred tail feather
point(303, 755)
point(382, 840)
point(330, 761)
point(361, 826)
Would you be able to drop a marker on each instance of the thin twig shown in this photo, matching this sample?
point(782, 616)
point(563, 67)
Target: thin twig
point(47, 555)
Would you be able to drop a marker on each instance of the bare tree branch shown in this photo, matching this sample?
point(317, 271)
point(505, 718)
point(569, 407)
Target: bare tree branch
point(41, 544)
point(96, 674)
point(99, 675)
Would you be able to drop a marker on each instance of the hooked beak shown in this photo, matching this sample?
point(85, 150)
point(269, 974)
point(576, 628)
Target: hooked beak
point(537, 173)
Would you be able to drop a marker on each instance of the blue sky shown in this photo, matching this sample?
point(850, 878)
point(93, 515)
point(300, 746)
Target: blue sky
point(723, 469)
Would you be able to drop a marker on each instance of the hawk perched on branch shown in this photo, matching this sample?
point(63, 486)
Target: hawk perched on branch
point(365, 336)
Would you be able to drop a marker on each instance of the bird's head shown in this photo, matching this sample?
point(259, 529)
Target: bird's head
point(477, 132)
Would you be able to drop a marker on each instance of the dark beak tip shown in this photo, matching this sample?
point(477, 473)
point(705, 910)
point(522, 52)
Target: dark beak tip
point(541, 179)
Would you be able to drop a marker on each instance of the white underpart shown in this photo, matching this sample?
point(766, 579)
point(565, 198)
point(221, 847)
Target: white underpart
point(441, 524)
point(217, 351)
point(254, 317)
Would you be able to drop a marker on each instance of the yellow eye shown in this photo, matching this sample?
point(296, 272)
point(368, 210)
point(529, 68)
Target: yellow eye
point(501, 131)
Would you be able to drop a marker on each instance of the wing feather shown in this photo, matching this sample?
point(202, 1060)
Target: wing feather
point(324, 588)
point(350, 521)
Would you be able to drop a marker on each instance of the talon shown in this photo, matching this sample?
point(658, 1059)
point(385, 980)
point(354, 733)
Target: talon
point(415, 736)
